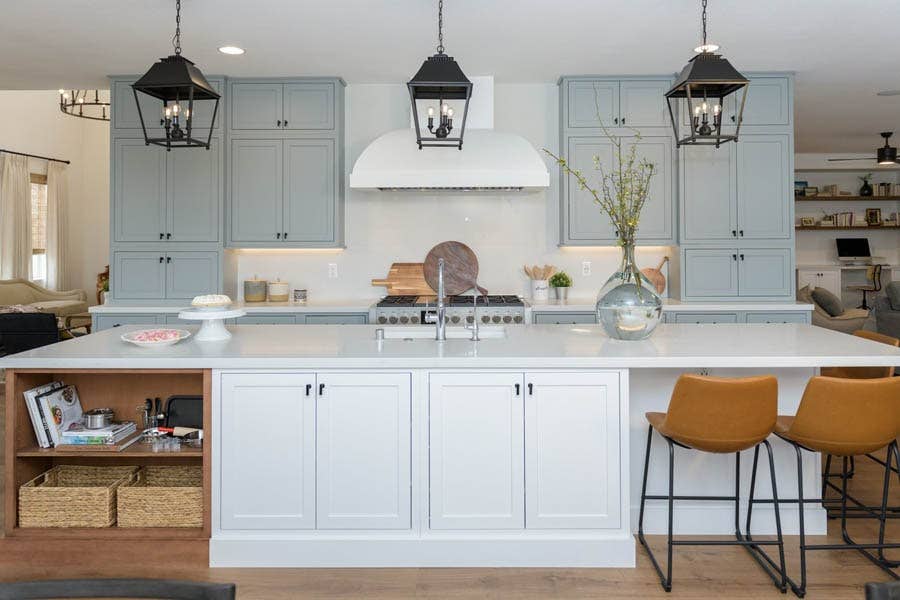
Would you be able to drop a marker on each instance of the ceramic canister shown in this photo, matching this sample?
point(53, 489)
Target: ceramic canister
point(540, 290)
point(255, 290)
point(279, 291)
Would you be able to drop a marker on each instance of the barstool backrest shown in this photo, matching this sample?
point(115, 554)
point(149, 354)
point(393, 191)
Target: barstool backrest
point(717, 410)
point(848, 417)
point(865, 372)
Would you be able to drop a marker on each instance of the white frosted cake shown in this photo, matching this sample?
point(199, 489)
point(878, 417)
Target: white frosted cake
point(211, 302)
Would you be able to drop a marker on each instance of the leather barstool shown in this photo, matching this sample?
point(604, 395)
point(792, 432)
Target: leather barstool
point(844, 417)
point(856, 373)
point(722, 416)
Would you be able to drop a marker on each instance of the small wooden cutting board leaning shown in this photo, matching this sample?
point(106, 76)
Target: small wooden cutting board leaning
point(405, 279)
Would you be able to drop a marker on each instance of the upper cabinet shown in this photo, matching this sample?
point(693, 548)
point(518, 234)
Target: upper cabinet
point(283, 106)
point(125, 113)
point(286, 163)
point(626, 107)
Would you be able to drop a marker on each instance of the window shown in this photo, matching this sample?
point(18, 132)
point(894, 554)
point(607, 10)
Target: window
point(38, 228)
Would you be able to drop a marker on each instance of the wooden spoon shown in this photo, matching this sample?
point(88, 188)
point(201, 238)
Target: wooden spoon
point(655, 276)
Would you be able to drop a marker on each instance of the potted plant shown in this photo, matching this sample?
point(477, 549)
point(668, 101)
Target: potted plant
point(561, 282)
point(628, 306)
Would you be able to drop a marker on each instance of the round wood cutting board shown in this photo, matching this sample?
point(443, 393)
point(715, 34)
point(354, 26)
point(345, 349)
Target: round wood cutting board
point(460, 268)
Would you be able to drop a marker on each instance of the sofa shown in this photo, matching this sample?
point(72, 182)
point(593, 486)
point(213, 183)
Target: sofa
point(887, 313)
point(15, 292)
point(847, 322)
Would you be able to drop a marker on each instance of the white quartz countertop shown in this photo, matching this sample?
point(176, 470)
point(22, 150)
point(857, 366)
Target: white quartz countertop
point(670, 305)
point(534, 347)
point(322, 306)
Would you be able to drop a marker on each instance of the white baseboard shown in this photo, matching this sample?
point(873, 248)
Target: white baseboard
point(473, 552)
point(717, 518)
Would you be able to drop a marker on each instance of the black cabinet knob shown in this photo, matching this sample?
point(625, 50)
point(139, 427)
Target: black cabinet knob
point(277, 236)
point(284, 235)
point(168, 236)
point(518, 389)
point(321, 388)
point(616, 120)
point(733, 119)
point(162, 236)
point(161, 259)
point(623, 120)
point(742, 257)
point(741, 232)
point(168, 259)
point(733, 233)
point(734, 257)
point(530, 389)
point(285, 123)
point(279, 123)
point(308, 388)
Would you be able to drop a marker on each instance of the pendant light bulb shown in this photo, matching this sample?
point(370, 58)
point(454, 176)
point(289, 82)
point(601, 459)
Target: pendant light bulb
point(450, 112)
point(706, 48)
point(430, 112)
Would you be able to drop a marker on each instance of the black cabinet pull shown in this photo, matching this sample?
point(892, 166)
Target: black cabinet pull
point(161, 259)
point(531, 389)
point(742, 257)
point(285, 123)
point(733, 119)
point(168, 236)
point(162, 122)
point(279, 122)
point(277, 236)
point(733, 233)
point(518, 389)
point(117, 325)
point(741, 232)
point(168, 259)
point(734, 257)
point(616, 120)
point(623, 120)
point(284, 235)
point(308, 388)
point(162, 236)
point(321, 388)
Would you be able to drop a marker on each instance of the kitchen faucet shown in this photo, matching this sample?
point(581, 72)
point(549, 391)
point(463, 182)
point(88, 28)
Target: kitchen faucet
point(440, 327)
point(474, 326)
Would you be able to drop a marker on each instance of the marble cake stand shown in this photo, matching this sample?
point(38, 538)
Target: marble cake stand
point(212, 327)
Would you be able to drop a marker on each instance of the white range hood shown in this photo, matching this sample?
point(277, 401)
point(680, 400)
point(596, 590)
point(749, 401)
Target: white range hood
point(489, 160)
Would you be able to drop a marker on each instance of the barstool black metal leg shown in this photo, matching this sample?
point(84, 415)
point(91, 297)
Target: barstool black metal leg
point(665, 580)
point(777, 515)
point(800, 590)
point(667, 583)
point(825, 477)
point(776, 572)
point(644, 485)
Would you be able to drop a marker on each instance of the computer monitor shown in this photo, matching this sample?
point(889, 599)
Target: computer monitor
point(853, 249)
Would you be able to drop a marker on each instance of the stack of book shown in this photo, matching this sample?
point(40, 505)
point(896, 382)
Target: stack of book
point(114, 437)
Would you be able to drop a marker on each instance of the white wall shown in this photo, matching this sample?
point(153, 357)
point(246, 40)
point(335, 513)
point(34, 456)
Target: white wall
point(30, 121)
point(504, 231)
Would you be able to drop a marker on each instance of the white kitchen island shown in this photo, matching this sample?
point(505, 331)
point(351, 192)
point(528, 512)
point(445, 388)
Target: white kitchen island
point(332, 448)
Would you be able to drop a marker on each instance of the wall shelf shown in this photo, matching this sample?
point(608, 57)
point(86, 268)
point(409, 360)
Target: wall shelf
point(817, 228)
point(846, 198)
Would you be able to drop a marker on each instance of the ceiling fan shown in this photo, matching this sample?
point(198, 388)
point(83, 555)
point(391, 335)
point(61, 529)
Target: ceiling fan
point(886, 155)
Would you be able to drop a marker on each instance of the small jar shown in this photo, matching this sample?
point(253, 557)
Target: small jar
point(300, 296)
point(255, 290)
point(279, 291)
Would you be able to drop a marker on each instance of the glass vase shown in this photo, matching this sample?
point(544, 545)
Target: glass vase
point(628, 306)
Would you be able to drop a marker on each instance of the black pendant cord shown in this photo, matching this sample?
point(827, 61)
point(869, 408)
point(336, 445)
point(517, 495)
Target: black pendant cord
point(176, 40)
point(440, 47)
point(704, 23)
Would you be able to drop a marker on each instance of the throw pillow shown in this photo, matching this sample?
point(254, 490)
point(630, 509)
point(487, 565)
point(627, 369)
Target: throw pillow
point(893, 294)
point(828, 301)
point(804, 295)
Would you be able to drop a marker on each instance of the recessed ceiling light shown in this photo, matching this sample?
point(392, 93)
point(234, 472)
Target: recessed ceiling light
point(888, 93)
point(231, 50)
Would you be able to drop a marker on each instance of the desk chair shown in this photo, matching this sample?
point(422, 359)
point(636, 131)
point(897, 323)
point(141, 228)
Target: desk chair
point(873, 277)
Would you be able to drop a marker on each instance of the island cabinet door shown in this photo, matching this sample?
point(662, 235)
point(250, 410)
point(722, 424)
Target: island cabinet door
point(363, 444)
point(476, 438)
point(268, 464)
point(572, 470)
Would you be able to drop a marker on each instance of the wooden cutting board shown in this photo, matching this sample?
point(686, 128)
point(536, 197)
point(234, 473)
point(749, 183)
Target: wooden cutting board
point(460, 268)
point(405, 279)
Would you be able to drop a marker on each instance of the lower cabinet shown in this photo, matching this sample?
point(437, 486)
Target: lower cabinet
point(698, 318)
point(497, 439)
point(263, 319)
point(268, 479)
point(737, 273)
point(148, 275)
point(340, 459)
point(101, 322)
point(564, 318)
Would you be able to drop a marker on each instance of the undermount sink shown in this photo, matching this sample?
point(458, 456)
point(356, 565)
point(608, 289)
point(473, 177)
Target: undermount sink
point(421, 332)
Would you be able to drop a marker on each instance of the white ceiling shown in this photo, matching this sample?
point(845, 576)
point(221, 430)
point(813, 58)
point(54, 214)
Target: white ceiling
point(842, 51)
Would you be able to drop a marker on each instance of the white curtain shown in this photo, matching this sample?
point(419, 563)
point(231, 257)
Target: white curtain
point(15, 217)
point(57, 225)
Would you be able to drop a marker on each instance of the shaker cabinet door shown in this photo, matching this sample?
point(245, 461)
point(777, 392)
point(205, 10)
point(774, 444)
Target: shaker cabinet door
point(658, 215)
point(190, 274)
point(593, 101)
point(477, 472)
point(765, 272)
point(764, 190)
point(643, 103)
point(572, 466)
point(708, 193)
point(140, 191)
point(268, 463)
point(363, 474)
point(256, 106)
point(309, 190)
point(138, 275)
point(194, 194)
point(256, 190)
point(710, 272)
point(308, 106)
point(588, 222)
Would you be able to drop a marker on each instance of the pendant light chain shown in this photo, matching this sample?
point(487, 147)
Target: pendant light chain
point(440, 47)
point(176, 40)
point(704, 22)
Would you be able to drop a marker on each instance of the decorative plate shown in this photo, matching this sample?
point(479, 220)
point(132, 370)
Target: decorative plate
point(156, 338)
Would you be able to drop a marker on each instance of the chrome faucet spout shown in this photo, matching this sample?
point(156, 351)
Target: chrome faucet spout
point(440, 327)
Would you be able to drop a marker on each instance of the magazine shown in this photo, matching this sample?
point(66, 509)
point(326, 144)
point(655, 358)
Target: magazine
point(41, 431)
point(61, 409)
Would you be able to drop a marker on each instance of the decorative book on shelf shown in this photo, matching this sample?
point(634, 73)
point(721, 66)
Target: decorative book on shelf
point(53, 408)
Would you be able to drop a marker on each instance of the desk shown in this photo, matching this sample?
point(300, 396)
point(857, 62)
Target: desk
point(835, 278)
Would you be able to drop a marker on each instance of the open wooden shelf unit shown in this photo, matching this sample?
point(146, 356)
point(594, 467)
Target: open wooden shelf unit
point(846, 198)
point(818, 228)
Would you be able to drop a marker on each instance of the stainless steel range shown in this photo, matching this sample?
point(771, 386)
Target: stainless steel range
point(422, 310)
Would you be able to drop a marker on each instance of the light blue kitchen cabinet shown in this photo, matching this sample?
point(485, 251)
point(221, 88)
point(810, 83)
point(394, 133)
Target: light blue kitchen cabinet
point(765, 272)
point(125, 114)
point(101, 322)
point(333, 318)
point(267, 319)
point(564, 318)
point(657, 224)
point(702, 318)
point(587, 223)
point(588, 100)
point(764, 187)
point(256, 190)
point(194, 194)
point(642, 103)
point(779, 317)
point(138, 275)
point(190, 274)
point(256, 106)
point(310, 180)
point(708, 195)
point(768, 102)
point(308, 106)
point(710, 272)
point(139, 209)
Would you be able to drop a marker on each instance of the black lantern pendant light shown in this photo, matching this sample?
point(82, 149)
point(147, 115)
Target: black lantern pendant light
point(178, 83)
point(705, 82)
point(440, 78)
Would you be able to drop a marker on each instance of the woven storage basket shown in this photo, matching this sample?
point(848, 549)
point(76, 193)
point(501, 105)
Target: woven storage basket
point(72, 496)
point(162, 496)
